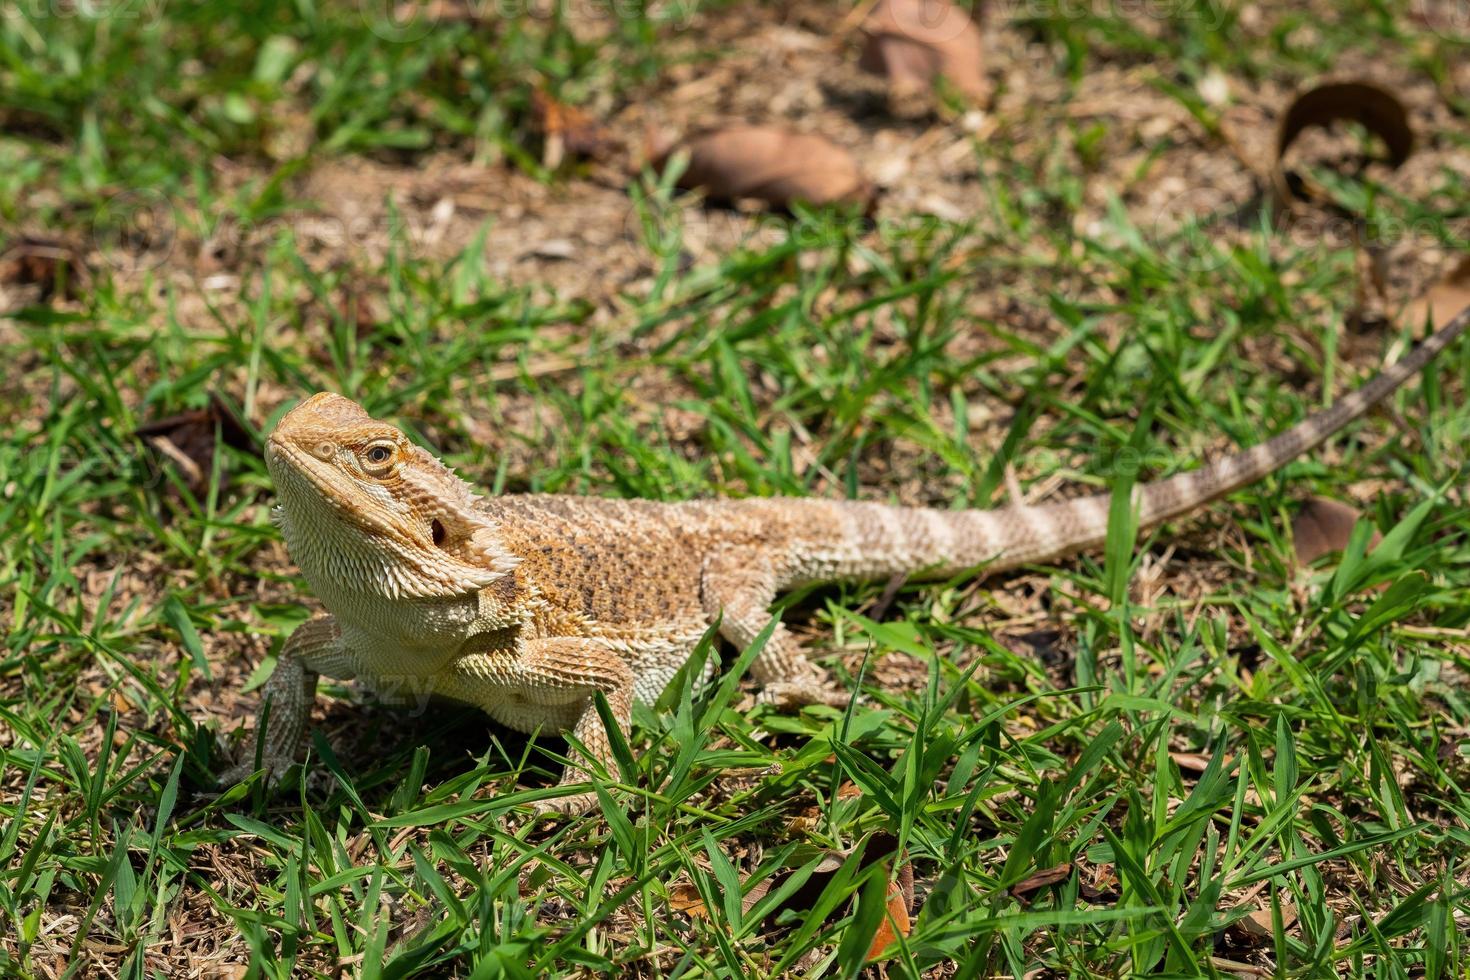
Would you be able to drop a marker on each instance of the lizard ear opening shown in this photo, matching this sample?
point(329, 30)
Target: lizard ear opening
point(436, 530)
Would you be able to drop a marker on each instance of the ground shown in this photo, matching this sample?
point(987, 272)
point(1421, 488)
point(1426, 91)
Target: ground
point(1189, 756)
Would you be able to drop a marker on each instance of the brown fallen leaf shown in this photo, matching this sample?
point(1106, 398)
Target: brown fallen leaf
point(1376, 108)
point(568, 131)
point(914, 42)
point(188, 439)
point(778, 167)
point(883, 846)
point(896, 921)
point(684, 897)
point(1196, 762)
point(1323, 526)
point(1257, 925)
point(1443, 301)
point(1041, 879)
point(52, 266)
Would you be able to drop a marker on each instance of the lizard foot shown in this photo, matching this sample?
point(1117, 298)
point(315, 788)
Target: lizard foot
point(576, 805)
point(790, 695)
point(274, 769)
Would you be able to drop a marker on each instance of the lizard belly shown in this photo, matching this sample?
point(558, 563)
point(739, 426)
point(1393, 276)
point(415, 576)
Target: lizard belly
point(523, 715)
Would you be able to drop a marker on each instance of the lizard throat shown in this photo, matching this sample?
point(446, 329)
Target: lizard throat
point(345, 550)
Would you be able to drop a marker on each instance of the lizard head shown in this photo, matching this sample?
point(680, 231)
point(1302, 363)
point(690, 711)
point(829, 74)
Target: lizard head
point(364, 509)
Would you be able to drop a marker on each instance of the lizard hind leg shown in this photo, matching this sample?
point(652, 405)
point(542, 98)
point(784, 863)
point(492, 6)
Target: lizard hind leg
point(737, 591)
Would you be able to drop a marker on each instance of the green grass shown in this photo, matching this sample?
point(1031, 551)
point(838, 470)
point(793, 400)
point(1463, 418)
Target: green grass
point(1006, 728)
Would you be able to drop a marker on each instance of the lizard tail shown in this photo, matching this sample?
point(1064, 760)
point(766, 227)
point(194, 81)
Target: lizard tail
point(881, 541)
point(1040, 534)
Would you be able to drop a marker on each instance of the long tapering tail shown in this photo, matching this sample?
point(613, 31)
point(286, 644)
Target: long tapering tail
point(1074, 525)
point(865, 540)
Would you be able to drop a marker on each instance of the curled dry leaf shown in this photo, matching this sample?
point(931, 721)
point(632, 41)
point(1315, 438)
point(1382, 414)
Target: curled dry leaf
point(1376, 108)
point(1444, 300)
point(1322, 527)
point(568, 131)
point(914, 42)
point(50, 266)
point(188, 439)
point(1041, 879)
point(776, 166)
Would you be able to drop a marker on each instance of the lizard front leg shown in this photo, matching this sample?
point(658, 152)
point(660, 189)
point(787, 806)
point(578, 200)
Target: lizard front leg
point(739, 590)
point(559, 676)
point(313, 648)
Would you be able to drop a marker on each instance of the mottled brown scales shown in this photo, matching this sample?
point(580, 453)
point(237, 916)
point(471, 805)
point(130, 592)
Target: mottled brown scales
point(526, 606)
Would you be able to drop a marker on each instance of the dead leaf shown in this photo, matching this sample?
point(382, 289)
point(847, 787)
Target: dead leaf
point(778, 167)
point(1042, 879)
point(226, 971)
point(684, 897)
point(1323, 526)
point(53, 266)
point(1376, 108)
point(1196, 762)
point(1444, 300)
point(568, 131)
point(896, 922)
point(914, 42)
point(1257, 925)
point(188, 439)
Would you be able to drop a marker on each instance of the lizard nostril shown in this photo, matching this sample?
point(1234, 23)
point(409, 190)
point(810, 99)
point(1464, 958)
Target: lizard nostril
point(325, 450)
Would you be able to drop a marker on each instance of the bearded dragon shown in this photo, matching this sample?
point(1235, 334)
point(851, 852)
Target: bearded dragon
point(526, 606)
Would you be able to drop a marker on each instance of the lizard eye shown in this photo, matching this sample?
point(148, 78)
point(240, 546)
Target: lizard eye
point(379, 454)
